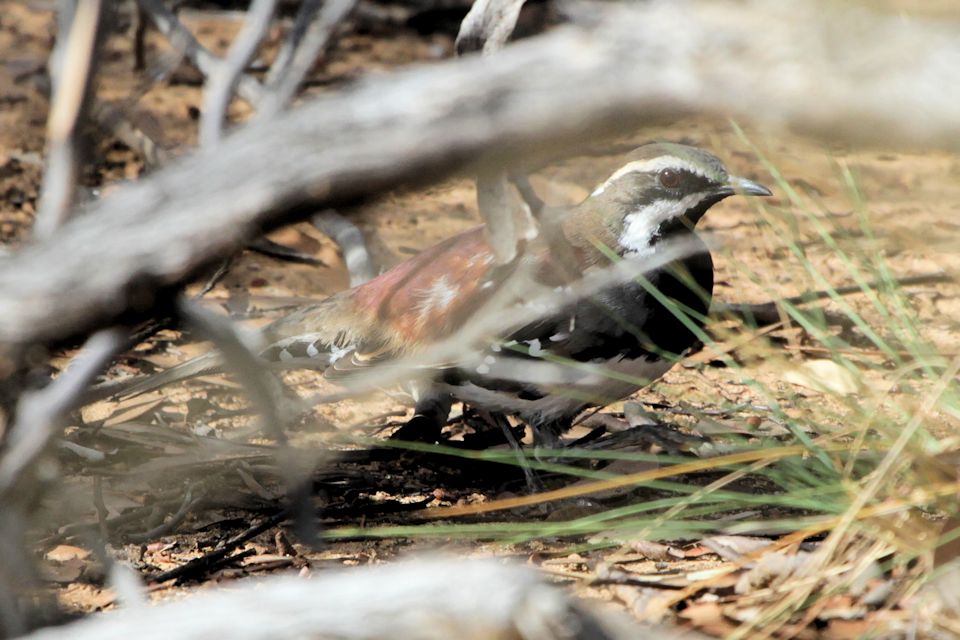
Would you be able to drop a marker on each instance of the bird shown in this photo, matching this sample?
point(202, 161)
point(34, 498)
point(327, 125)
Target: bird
point(603, 347)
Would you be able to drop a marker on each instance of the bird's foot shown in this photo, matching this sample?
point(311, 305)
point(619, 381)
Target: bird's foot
point(419, 428)
point(430, 416)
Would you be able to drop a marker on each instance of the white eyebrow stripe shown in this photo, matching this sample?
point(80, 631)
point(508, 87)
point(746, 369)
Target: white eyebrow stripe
point(649, 166)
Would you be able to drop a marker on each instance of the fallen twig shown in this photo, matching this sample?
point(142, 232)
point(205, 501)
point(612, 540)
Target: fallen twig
point(767, 313)
point(197, 567)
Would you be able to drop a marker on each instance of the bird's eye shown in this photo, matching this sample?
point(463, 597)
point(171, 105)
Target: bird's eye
point(669, 178)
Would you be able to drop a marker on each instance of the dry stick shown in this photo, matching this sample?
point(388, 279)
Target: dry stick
point(164, 528)
point(299, 55)
point(40, 412)
point(486, 28)
point(281, 62)
point(293, 61)
point(227, 73)
point(311, 35)
point(421, 125)
point(74, 60)
point(39, 417)
point(214, 278)
point(101, 508)
point(424, 599)
point(140, 40)
point(767, 313)
point(268, 247)
point(180, 37)
point(262, 388)
point(266, 392)
point(198, 566)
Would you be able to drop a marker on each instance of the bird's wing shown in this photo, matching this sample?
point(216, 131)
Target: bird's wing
point(400, 313)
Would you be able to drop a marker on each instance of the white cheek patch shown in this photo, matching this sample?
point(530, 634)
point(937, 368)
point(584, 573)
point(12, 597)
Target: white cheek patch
point(641, 227)
point(649, 166)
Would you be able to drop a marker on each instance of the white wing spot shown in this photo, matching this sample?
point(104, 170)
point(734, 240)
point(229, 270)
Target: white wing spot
point(535, 349)
point(338, 352)
point(437, 297)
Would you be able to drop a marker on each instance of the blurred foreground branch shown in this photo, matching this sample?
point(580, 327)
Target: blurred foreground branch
point(423, 599)
point(852, 76)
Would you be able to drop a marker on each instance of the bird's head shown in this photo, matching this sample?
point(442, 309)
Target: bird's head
point(662, 189)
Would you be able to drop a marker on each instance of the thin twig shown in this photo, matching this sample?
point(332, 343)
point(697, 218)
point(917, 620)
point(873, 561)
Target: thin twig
point(266, 391)
point(198, 566)
point(182, 40)
point(487, 25)
point(74, 65)
point(305, 17)
point(311, 36)
point(227, 73)
point(767, 313)
point(39, 413)
point(167, 527)
point(215, 277)
point(263, 388)
point(101, 508)
point(509, 222)
point(279, 251)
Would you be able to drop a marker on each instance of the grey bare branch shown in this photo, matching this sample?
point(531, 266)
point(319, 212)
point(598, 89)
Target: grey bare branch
point(182, 40)
point(73, 69)
point(424, 124)
point(299, 55)
point(227, 73)
point(427, 599)
point(488, 25)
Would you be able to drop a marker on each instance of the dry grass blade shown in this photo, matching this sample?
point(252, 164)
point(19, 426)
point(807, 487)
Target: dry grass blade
point(624, 481)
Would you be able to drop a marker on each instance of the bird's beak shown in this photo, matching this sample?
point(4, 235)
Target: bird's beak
point(747, 187)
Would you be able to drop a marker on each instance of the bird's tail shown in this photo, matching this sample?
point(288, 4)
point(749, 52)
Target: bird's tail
point(207, 363)
point(308, 351)
point(290, 343)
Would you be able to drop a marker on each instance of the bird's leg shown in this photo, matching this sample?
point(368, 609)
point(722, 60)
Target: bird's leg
point(533, 482)
point(429, 417)
point(546, 437)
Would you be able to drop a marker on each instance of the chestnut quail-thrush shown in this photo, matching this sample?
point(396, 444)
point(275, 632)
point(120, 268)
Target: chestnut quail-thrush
point(637, 334)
